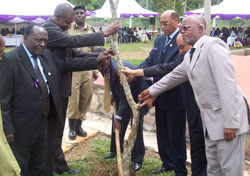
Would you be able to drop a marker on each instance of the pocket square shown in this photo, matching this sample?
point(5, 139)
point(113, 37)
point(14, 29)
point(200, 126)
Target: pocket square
point(155, 49)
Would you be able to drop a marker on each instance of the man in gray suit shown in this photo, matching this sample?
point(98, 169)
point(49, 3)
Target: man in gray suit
point(209, 68)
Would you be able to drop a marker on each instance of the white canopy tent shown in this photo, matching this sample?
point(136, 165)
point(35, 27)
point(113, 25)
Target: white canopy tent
point(17, 11)
point(125, 9)
point(228, 9)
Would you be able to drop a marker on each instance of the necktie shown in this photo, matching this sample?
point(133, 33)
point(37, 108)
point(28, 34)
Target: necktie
point(191, 52)
point(166, 44)
point(46, 104)
point(107, 98)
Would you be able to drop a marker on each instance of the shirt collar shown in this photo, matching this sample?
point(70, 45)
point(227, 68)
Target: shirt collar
point(173, 33)
point(77, 27)
point(27, 51)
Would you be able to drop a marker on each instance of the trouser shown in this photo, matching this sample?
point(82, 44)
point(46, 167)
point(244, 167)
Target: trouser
point(81, 95)
point(170, 131)
point(60, 163)
point(225, 158)
point(196, 135)
point(138, 151)
point(31, 158)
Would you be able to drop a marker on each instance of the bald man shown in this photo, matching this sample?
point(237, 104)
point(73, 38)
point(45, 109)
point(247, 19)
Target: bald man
point(224, 110)
point(169, 106)
point(62, 45)
point(198, 156)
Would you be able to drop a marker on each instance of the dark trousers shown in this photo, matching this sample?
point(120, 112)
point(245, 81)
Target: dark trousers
point(51, 146)
point(31, 158)
point(60, 163)
point(197, 141)
point(170, 130)
point(138, 151)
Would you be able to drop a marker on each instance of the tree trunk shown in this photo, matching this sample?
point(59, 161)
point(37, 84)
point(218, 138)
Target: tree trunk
point(128, 146)
point(207, 15)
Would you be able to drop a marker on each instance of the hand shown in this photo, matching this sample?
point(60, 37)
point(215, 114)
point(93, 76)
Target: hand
point(103, 62)
point(229, 134)
point(95, 75)
point(144, 95)
point(111, 51)
point(148, 102)
point(10, 138)
point(112, 28)
point(129, 73)
point(117, 125)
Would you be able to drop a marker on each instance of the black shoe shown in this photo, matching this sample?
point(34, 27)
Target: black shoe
point(136, 167)
point(161, 170)
point(110, 155)
point(81, 132)
point(73, 171)
point(72, 134)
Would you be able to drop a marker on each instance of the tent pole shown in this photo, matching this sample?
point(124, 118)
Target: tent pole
point(15, 35)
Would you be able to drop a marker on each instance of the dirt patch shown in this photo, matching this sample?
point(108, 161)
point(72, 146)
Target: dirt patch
point(90, 157)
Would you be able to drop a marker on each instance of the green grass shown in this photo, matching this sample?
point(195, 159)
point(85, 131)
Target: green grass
point(94, 162)
point(132, 47)
point(135, 61)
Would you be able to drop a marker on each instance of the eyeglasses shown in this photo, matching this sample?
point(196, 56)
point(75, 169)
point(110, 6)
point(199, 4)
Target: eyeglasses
point(186, 27)
point(165, 23)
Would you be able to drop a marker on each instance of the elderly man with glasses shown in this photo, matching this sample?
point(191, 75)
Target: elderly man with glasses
point(170, 106)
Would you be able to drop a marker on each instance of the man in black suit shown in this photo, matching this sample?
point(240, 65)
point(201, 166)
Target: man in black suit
point(198, 155)
point(29, 97)
point(169, 106)
point(60, 44)
point(124, 113)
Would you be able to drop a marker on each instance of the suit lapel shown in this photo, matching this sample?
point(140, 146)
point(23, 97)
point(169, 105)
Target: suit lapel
point(196, 55)
point(25, 60)
point(46, 69)
point(164, 56)
point(161, 47)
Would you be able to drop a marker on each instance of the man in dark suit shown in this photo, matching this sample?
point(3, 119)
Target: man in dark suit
point(198, 156)
point(169, 106)
point(29, 97)
point(124, 113)
point(60, 44)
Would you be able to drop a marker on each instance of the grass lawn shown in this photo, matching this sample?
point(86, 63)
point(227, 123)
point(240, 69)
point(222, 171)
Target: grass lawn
point(89, 158)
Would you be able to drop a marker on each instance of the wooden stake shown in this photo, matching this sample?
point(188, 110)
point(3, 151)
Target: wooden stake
point(118, 147)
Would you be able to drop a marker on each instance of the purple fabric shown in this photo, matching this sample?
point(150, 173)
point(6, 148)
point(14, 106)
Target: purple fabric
point(223, 16)
point(128, 15)
point(6, 17)
point(30, 18)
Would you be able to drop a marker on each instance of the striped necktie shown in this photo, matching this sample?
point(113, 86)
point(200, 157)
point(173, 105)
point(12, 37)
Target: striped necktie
point(166, 44)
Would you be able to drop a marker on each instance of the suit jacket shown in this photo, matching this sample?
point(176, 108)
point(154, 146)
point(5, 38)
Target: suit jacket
point(21, 100)
point(213, 79)
point(60, 44)
point(163, 69)
point(136, 86)
point(173, 99)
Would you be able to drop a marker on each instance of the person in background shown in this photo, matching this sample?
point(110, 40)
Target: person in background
point(82, 82)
